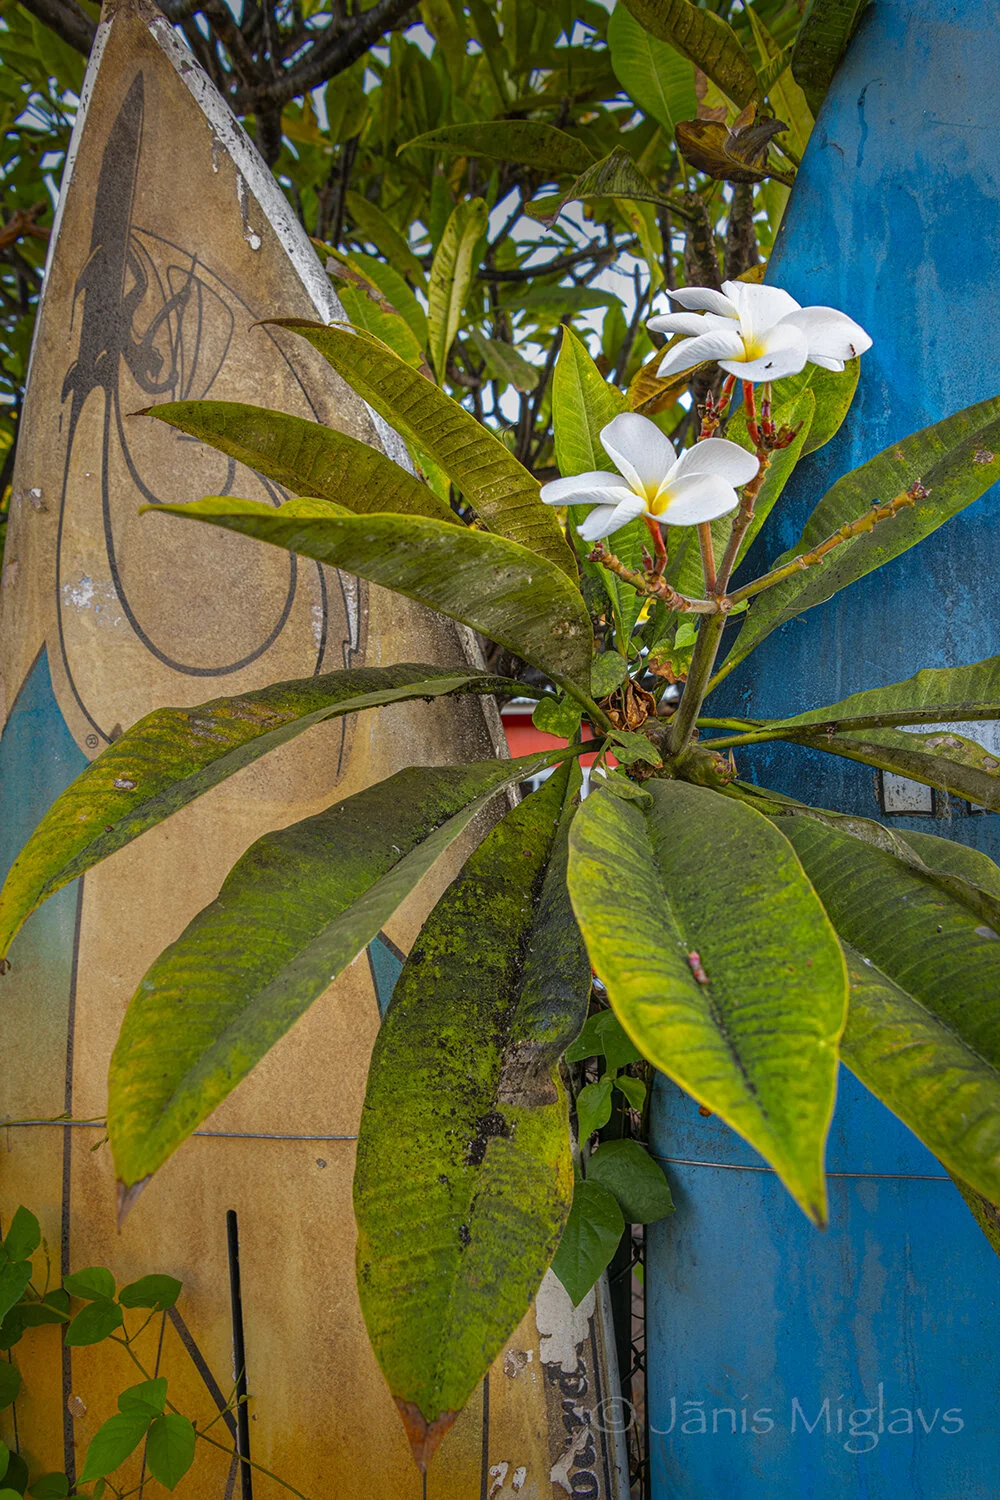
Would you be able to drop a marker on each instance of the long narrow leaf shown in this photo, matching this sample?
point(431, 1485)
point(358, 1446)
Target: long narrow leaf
point(720, 963)
point(709, 41)
point(305, 457)
point(174, 755)
point(451, 277)
point(464, 1176)
point(294, 911)
point(497, 586)
point(502, 491)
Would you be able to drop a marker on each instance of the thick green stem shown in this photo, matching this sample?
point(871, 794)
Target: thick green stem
point(706, 648)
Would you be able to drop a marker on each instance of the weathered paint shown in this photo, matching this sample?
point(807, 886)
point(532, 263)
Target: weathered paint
point(896, 220)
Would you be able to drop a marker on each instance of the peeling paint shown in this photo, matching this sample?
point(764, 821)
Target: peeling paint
point(562, 1327)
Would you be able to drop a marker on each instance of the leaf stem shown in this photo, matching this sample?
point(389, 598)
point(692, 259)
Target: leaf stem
point(656, 588)
point(845, 533)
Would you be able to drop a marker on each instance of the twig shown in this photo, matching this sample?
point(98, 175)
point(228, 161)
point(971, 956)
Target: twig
point(844, 533)
point(657, 588)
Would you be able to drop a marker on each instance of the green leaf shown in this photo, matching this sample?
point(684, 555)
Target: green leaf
point(10, 1383)
point(986, 1214)
point(604, 1036)
point(158, 1292)
point(504, 363)
point(305, 457)
point(924, 1031)
point(822, 39)
point(96, 1282)
point(366, 307)
point(650, 71)
point(394, 289)
point(382, 233)
point(593, 1231)
point(942, 759)
point(174, 755)
point(14, 1278)
point(170, 1449)
point(16, 1477)
point(757, 1043)
point(451, 277)
point(500, 588)
point(24, 1235)
point(559, 716)
point(4, 1458)
point(633, 1089)
point(632, 748)
point(293, 912)
point(833, 393)
point(956, 461)
point(614, 176)
point(464, 1173)
point(786, 99)
point(593, 1107)
point(112, 1443)
point(529, 143)
point(626, 1169)
point(93, 1323)
point(931, 696)
point(503, 492)
point(607, 672)
point(149, 1396)
point(49, 1487)
point(705, 38)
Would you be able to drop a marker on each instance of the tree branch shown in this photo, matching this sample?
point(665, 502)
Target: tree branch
point(68, 20)
point(324, 59)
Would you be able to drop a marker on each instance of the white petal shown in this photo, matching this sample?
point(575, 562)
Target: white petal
point(698, 497)
point(692, 324)
point(760, 307)
point(783, 352)
point(717, 456)
point(608, 518)
point(829, 334)
point(560, 491)
point(691, 352)
point(642, 452)
point(703, 299)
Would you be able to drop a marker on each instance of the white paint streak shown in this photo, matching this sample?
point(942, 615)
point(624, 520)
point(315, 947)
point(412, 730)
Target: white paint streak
point(562, 1327)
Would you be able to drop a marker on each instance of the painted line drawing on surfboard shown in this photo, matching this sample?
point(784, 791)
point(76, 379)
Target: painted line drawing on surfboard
point(172, 240)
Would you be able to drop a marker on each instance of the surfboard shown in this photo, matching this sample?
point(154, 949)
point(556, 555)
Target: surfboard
point(172, 240)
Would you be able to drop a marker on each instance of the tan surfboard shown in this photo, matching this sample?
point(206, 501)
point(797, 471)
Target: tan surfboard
point(172, 240)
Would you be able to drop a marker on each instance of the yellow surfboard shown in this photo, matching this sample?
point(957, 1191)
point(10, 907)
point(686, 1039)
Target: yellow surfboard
point(172, 240)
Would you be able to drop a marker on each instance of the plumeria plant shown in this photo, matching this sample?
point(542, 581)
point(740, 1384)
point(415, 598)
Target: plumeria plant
point(742, 942)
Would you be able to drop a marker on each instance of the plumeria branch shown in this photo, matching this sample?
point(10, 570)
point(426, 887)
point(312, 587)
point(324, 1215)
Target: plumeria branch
point(656, 587)
point(844, 533)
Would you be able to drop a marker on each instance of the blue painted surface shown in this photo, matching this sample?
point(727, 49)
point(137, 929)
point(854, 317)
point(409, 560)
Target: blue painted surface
point(896, 220)
point(385, 963)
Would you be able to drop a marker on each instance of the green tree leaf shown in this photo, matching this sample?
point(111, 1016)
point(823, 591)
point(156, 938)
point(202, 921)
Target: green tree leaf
point(705, 38)
point(93, 1323)
point(591, 1237)
point(305, 457)
point(157, 1291)
point(614, 176)
point(464, 1173)
point(942, 759)
point(652, 73)
point(24, 1235)
point(366, 307)
point(451, 277)
point(822, 39)
point(382, 233)
point(626, 1169)
point(604, 1036)
point(10, 1383)
point(593, 1106)
point(512, 595)
point(14, 1278)
point(174, 755)
point(757, 1043)
point(170, 1449)
point(924, 1031)
point(504, 362)
point(633, 1089)
point(559, 716)
point(112, 1443)
point(955, 460)
point(293, 912)
point(149, 1396)
point(503, 492)
point(832, 391)
point(96, 1282)
point(49, 1487)
point(530, 143)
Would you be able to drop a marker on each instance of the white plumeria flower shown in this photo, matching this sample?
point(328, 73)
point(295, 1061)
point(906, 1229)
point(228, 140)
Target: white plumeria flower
point(756, 332)
point(654, 482)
